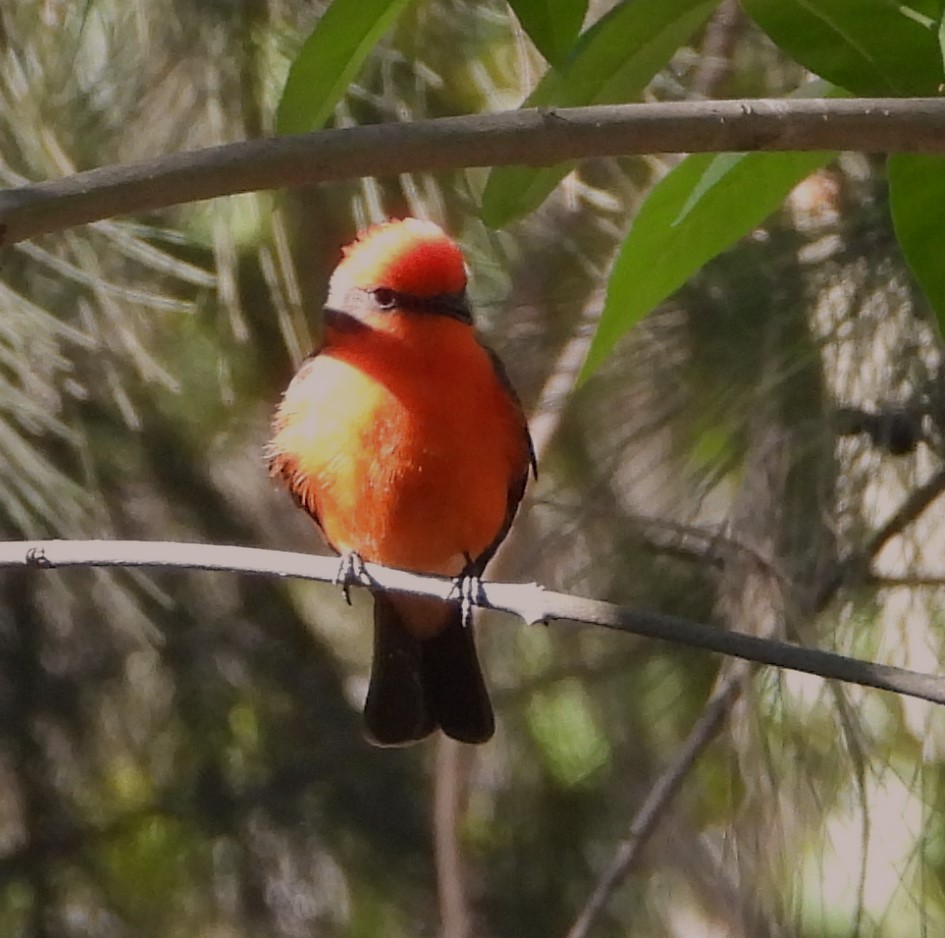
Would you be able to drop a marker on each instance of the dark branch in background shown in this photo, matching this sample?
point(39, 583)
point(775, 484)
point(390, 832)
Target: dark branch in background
point(716, 57)
point(660, 794)
point(717, 708)
point(526, 600)
point(916, 581)
point(532, 137)
point(897, 430)
point(913, 505)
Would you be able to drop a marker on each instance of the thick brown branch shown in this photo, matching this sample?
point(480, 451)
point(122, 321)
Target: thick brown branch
point(535, 137)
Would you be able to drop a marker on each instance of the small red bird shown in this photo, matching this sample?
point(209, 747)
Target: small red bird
point(404, 440)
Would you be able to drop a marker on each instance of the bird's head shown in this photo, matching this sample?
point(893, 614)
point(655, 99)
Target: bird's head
point(408, 265)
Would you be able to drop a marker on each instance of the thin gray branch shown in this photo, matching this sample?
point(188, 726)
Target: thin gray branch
point(532, 137)
point(529, 601)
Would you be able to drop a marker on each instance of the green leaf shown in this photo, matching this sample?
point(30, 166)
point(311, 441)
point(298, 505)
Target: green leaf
point(552, 25)
point(917, 203)
point(929, 9)
point(705, 204)
point(869, 47)
point(330, 58)
point(612, 62)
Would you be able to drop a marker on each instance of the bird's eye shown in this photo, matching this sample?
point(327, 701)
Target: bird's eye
point(385, 297)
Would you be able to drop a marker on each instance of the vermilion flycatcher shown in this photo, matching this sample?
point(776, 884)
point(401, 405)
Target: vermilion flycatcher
point(404, 440)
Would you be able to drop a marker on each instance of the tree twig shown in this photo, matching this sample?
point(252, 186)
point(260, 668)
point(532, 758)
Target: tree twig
point(449, 799)
point(913, 581)
point(529, 601)
point(713, 716)
point(533, 137)
point(912, 506)
point(668, 783)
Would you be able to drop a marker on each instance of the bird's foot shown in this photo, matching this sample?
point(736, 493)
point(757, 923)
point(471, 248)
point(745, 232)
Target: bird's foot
point(468, 588)
point(351, 572)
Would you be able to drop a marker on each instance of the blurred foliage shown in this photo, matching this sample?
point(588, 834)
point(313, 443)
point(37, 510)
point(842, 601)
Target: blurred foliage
point(613, 61)
point(180, 753)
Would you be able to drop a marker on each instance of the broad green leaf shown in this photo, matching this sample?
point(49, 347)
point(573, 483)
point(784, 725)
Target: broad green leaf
point(552, 25)
point(330, 58)
point(702, 206)
point(869, 47)
point(926, 9)
point(612, 62)
point(917, 203)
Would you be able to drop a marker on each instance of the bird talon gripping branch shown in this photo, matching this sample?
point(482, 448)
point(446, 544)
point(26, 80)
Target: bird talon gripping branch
point(470, 592)
point(351, 572)
point(467, 588)
point(373, 439)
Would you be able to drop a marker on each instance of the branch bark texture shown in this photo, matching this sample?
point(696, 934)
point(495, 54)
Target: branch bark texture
point(530, 137)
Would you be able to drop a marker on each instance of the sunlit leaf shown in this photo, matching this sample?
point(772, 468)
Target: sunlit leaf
point(705, 204)
point(869, 47)
point(925, 9)
point(330, 58)
point(612, 62)
point(552, 25)
point(917, 203)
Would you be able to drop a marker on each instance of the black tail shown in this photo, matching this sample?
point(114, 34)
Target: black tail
point(419, 684)
point(452, 679)
point(396, 711)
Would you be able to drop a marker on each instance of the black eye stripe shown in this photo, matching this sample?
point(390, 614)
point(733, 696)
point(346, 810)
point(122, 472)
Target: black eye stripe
point(453, 305)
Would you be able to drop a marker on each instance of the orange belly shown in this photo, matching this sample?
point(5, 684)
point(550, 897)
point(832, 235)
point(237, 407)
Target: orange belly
point(405, 444)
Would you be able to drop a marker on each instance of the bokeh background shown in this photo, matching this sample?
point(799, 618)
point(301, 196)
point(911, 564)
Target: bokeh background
point(180, 753)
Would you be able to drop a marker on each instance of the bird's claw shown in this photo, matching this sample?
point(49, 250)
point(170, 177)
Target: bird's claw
point(468, 587)
point(351, 572)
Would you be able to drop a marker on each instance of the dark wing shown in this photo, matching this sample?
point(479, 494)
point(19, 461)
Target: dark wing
point(519, 481)
point(503, 377)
